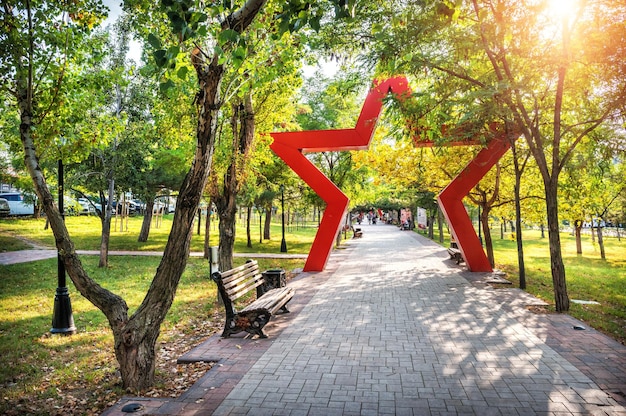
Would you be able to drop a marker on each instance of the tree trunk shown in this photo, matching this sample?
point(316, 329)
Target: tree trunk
point(227, 233)
point(207, 230)
point(242, 126)
point(431, 225)
point(106, 217)
point(440, 223)
point(578, 225)
point(484, 222)
point(199, 221)
point(601, 243)
point(135, 337)
point(147, 220)
point(557, 267)
point(593, 235)
point(267, 223)
point(518, 225)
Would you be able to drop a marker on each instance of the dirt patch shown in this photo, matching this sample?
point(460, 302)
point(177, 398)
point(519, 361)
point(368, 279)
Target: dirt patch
point(539, 309)
point(92, 397)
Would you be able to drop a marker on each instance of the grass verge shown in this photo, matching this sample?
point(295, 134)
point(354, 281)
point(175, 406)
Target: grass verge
point(588, 277)
point(42, 374)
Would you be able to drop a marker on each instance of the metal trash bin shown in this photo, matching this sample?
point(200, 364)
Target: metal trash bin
point(274, 278)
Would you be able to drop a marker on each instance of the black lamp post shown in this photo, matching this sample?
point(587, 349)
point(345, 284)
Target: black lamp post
point(283, 243)
point(62, 318)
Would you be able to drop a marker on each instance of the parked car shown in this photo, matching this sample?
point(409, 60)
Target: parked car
point(132, 207)
point(89, 207)
point(161, 202)
point(5, 209)
point(71, 206)
point(17, 204)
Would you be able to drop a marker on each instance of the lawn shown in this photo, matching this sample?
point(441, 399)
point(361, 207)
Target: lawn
point(86, 231)
point(588, 277)
point(44, 374)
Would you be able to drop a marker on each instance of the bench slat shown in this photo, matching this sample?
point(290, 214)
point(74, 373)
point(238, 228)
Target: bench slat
point(233, 278)
point(238, 282)
point(240, 291)
point(236, 270)
point(272, 300)
point(241, 280)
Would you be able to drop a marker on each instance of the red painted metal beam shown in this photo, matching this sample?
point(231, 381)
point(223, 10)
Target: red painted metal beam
point(451, 203)
point(291, 146)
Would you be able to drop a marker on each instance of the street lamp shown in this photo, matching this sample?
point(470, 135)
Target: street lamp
point(62, 318)
point(283, 243)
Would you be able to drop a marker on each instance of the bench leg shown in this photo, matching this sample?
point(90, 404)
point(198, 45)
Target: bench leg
point(230, 327)
point(250, 321)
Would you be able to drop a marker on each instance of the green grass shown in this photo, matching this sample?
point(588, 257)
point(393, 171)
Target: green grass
point(38, 370)
point(86, 230)
point(588, 277)
point(39, 367)
point(8, 243)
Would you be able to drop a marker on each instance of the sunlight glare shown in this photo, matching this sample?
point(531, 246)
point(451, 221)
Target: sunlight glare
point(562, 9)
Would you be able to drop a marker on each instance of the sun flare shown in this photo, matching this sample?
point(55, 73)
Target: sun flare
point(562, 9)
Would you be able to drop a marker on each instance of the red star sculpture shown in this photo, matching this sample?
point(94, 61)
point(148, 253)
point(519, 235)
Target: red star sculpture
point(291, 147)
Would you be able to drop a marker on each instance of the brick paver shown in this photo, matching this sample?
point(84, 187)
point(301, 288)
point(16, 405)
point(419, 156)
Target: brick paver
point(393, 327)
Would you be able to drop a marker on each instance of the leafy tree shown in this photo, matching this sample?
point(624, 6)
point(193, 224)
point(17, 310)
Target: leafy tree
point(593, 183)
point(29, 70)
point(512, 61)
point(270, 62)
point(333, 104)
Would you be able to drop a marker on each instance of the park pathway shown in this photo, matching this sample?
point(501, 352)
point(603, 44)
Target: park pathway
point(394, 327)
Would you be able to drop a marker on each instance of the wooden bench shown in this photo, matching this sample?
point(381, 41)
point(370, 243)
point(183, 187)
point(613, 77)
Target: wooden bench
point(455, 254)
point(237, 282)
point(356, 232)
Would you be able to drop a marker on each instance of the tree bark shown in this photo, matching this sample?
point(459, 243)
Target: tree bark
point(268, 221)
point(440, 222)
point(242, 127)
point(207, 230)
point(248, 226)
point(601, 242)
point(557, 267)
point(106, 217)
point(578, 225)
point(431, 224)
point(147, 220)
point(517, 190)
point(484, 223)
point(227, 232)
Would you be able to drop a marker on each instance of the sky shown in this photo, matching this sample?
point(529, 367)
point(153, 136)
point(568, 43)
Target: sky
point(115, 10)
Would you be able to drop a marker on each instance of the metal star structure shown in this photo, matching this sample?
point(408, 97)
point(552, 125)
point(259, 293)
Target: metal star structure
point(291, 147)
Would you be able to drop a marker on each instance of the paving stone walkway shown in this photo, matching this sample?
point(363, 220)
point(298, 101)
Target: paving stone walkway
point(394, 327)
